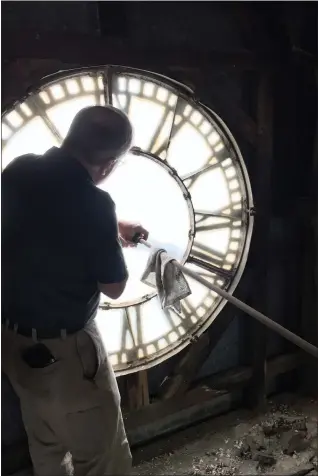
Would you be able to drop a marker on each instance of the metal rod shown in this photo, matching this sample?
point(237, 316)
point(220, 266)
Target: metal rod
point(295, 339)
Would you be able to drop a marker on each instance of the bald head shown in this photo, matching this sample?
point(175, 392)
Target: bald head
point(99, 134)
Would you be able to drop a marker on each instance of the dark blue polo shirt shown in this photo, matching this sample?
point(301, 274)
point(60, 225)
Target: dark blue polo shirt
point(59, 239)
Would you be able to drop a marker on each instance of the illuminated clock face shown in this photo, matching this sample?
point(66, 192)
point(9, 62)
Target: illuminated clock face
point(184, 180)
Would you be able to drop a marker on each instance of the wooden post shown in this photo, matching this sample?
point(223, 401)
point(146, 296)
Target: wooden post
point(315, 181)
point(257, 334)
point(309, 315)
point(314, 317)
point(137, 390)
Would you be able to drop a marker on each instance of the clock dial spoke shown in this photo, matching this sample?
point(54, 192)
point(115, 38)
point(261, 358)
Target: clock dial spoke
point(204, 218)
point(105, 85)
point(164, 147)
point(211, 227)
point(128, 343)
point(189, 179)
point(210, 267)
point(160, 139)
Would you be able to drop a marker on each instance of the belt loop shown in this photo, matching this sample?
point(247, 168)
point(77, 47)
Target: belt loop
point(15, 328)
point(34, 335)
point(63, 334)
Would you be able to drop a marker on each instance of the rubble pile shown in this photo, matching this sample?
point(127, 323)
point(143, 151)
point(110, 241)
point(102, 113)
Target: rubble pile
point(281, 442)
point(281, 445)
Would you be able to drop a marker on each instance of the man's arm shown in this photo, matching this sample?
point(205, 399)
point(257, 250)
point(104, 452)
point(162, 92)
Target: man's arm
point(114, 291)
point(107, 263)
point(128, 230)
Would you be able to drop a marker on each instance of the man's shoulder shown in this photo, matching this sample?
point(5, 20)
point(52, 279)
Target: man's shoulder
point(20, 164)
point(32, 161)
point(24, 159)
point(104, 196)
point(101, 200)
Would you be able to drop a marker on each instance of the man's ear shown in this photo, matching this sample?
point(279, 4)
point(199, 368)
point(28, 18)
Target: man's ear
point(105, 169)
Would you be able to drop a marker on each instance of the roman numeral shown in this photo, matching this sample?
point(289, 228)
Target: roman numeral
point(178, 314)
point(202, 215)
point(165, 146)
point(39, 109)
point(170, 320)
point(132, 354)
point(187, 309)
point(127, 330)
point(166, 115)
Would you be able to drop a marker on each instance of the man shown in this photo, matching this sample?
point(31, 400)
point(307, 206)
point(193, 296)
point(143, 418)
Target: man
point(62, 246)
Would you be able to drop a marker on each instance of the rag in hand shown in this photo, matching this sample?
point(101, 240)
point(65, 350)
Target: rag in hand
point(162, 272)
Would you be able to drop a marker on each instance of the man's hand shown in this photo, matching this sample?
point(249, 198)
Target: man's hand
point(128, 230)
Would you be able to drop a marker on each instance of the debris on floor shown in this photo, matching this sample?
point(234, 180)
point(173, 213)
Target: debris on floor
point(283, 441)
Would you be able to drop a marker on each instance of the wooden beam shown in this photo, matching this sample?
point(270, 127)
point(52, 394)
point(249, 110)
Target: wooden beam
point(216, 91)
point(261, 27)
point(315, 181)
point(203, 402)
point(251, 26)
point(294, 18)
point(234, 116)
point(84, 50)
point(238, 377)
point(257, 334)
point(314, 319)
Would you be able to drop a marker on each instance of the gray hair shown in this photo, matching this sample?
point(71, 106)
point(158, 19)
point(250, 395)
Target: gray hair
point(99, 131)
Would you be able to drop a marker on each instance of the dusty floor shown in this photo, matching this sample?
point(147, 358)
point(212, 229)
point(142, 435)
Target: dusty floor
point(282, 441)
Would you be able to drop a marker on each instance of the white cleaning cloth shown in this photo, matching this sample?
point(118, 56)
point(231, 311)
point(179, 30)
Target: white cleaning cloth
point(163, 273)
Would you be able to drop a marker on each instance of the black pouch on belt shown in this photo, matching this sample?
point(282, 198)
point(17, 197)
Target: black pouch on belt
point(38, 356)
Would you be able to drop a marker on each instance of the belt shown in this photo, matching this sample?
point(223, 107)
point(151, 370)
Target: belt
point(38, 333)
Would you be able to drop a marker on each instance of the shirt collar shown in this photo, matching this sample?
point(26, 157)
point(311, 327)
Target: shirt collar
point(70, 162)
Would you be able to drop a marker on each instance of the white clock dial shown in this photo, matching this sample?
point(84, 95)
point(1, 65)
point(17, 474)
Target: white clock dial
point(185, 181)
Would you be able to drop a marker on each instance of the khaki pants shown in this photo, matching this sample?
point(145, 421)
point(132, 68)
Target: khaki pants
point(70, 407)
